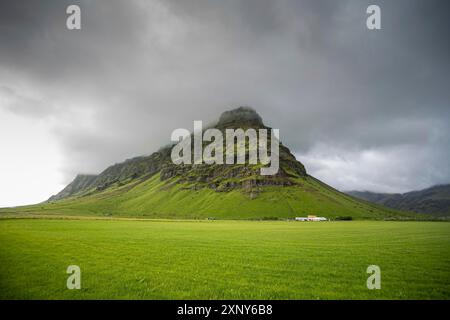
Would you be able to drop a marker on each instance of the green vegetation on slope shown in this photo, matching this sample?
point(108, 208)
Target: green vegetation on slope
point(223, 259)
point(154, 198)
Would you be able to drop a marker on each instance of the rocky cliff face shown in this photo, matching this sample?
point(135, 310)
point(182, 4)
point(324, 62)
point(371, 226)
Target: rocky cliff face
point(242, 116)
point(219, 177)
point(80, 183)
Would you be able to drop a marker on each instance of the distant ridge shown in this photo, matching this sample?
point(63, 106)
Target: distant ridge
point(434, 200)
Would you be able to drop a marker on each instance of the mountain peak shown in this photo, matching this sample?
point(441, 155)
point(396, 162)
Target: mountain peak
point(239, 115)
point(217, 177)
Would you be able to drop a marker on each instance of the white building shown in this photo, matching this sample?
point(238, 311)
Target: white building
point(310, 218)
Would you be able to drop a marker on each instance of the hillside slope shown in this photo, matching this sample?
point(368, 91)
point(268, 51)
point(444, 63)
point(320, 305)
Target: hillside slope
point(152, 186)
point(153, 198)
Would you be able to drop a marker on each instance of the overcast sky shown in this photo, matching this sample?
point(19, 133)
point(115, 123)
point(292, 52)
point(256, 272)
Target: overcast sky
point(363, 110)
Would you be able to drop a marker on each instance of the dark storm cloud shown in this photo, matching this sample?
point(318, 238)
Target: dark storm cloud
point(346, 99)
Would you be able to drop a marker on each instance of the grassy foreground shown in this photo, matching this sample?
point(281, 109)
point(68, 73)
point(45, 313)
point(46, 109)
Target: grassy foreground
point(223, 259)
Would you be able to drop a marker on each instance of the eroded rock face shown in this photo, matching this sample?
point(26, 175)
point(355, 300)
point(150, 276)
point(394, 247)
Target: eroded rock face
point(238, 116)
point(221, 178)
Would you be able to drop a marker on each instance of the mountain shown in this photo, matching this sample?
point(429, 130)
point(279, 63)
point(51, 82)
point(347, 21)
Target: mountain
point(153, 186)
point(80, 183)
point(216, 177)
point(434, 200)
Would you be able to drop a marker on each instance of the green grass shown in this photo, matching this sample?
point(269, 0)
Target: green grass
point(223, 259)
point(153, 198)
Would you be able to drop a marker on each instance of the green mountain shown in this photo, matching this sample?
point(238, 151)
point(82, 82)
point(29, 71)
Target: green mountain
point(434, 200)
point(152, 186)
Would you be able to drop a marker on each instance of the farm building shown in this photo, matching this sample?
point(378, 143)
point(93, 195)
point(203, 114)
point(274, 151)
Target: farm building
point(310, 218)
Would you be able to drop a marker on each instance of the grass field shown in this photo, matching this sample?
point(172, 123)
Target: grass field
point(223, 259)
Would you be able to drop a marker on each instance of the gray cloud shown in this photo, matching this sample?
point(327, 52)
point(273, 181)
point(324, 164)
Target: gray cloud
point(139, 69)
point(23, 105)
